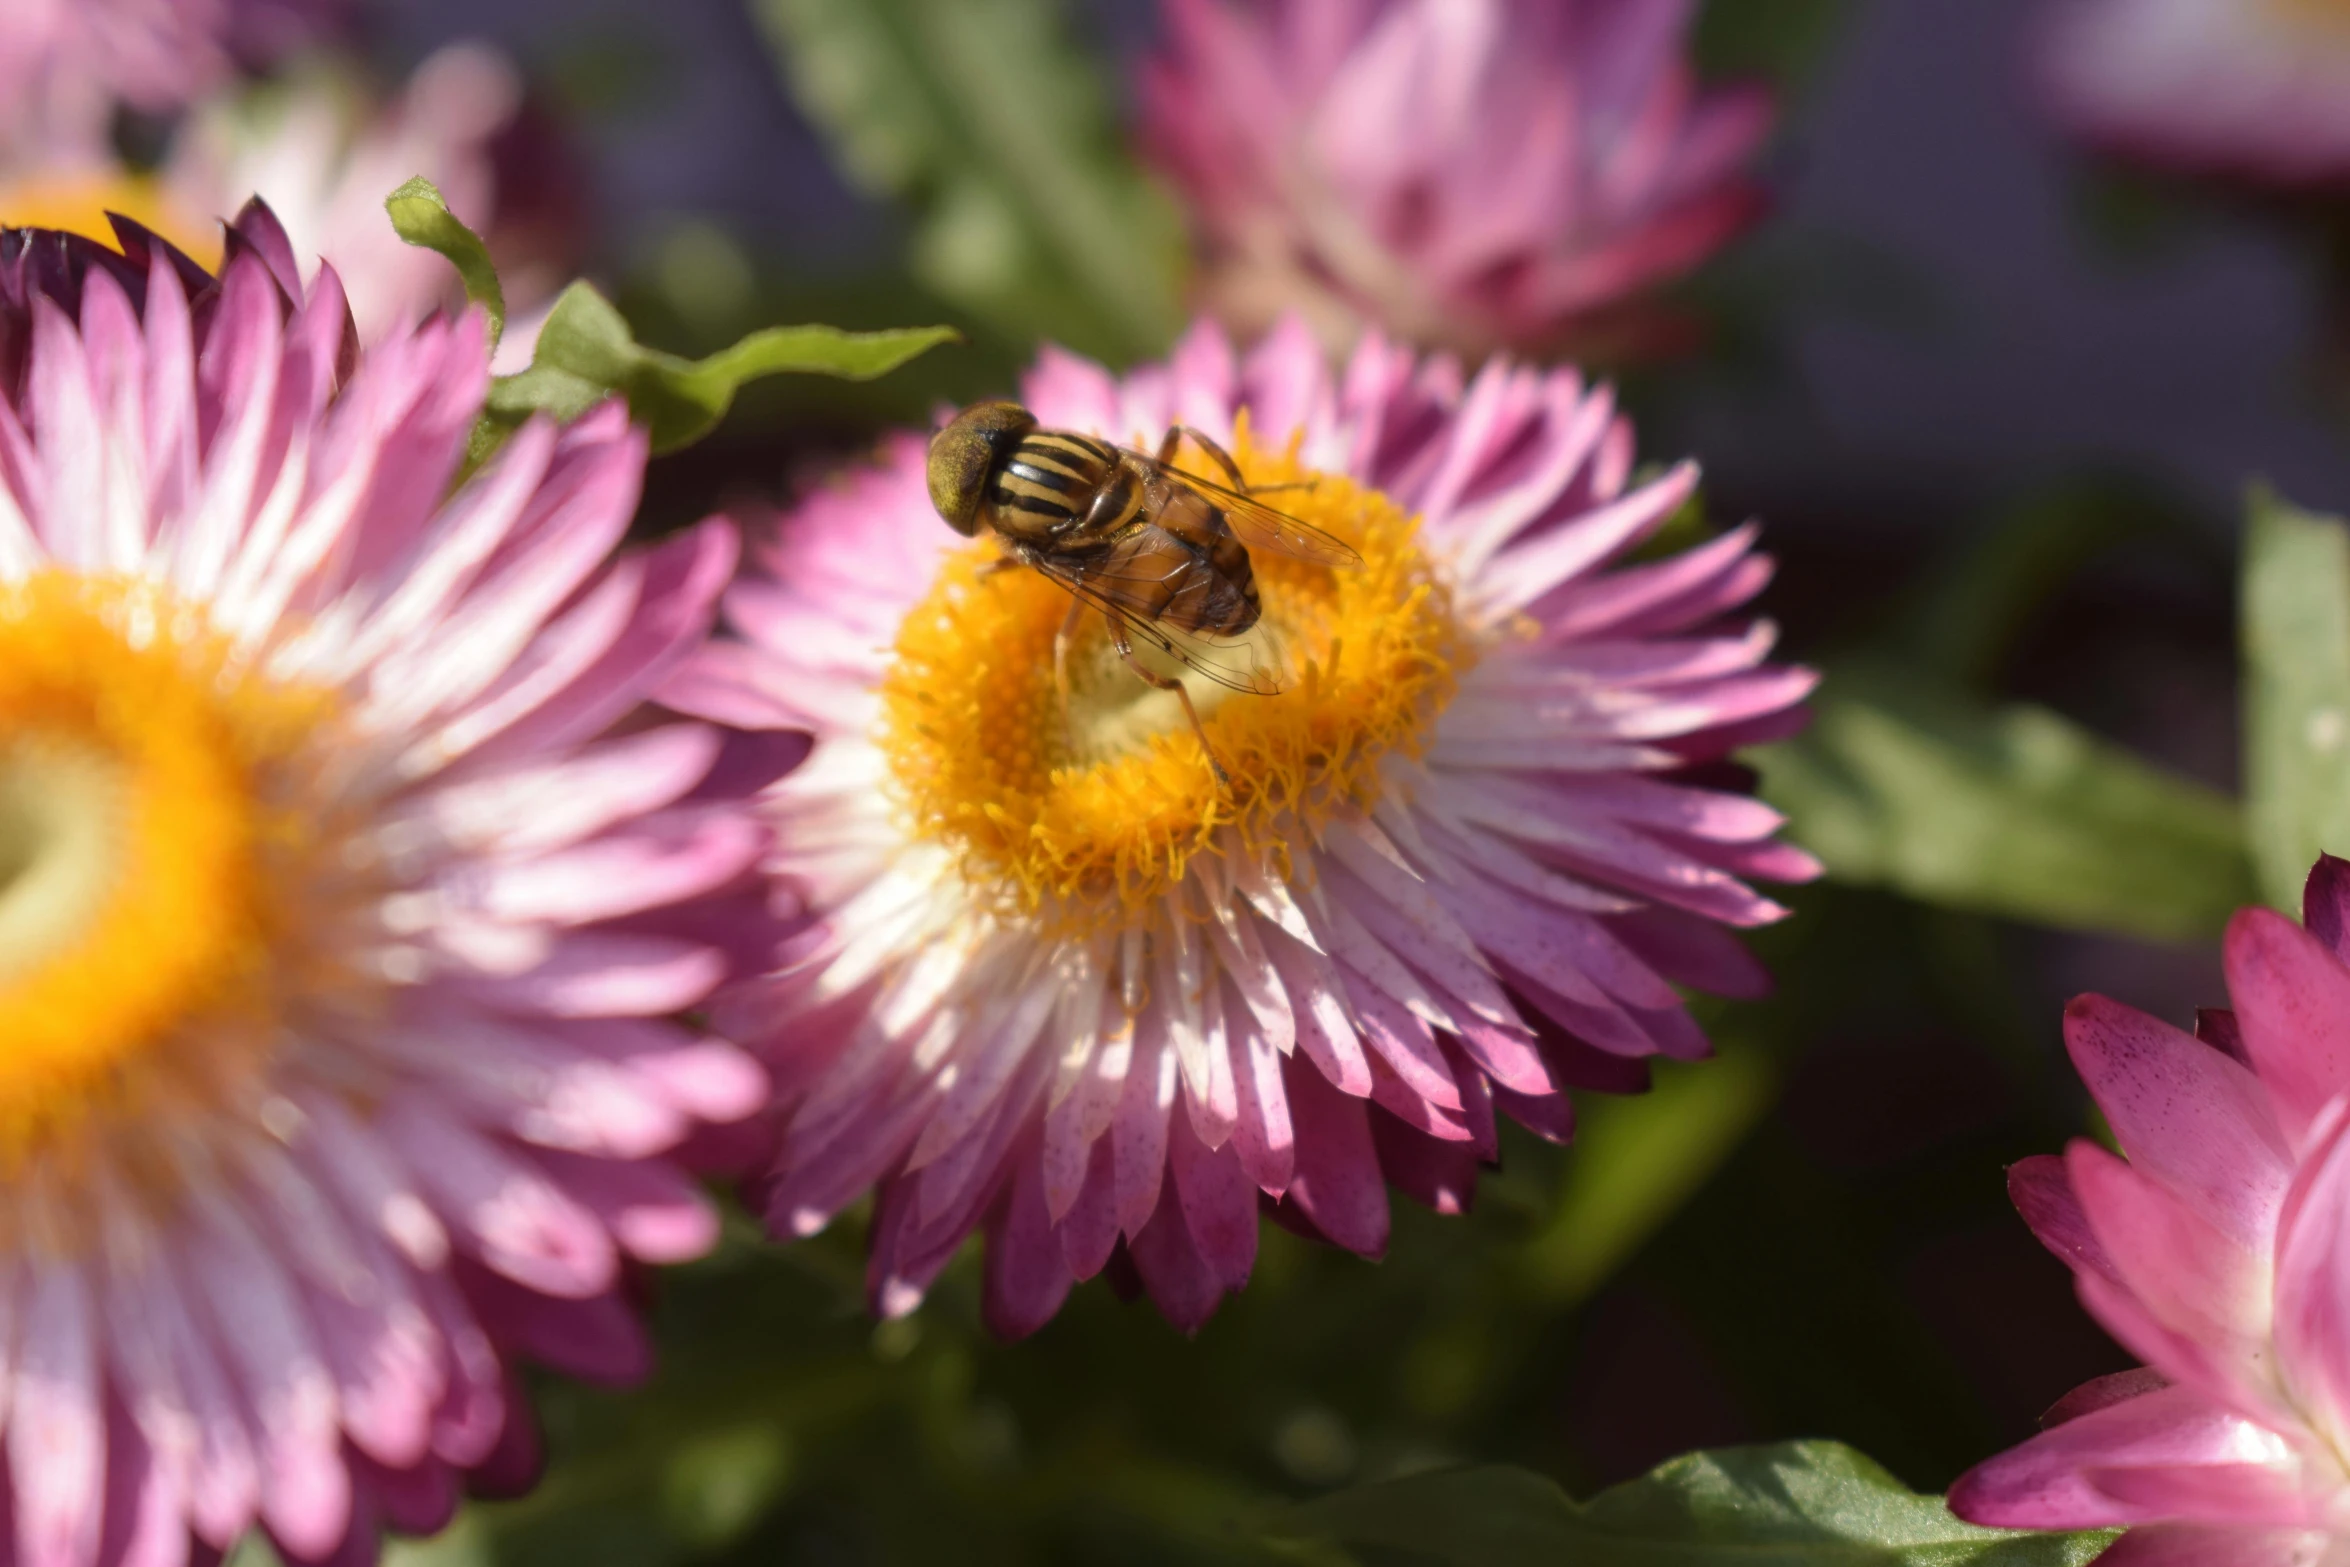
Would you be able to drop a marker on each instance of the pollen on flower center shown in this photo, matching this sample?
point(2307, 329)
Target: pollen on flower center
point(152, 828)
point(1094, 810)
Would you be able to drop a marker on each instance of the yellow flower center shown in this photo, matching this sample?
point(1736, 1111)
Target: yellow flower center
point(2331, 17)
point(160, 845)
point(1089, 813)
point(78, 203)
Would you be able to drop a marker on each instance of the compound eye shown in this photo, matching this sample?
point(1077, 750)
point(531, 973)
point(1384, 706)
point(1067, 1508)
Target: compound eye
point(959, 463)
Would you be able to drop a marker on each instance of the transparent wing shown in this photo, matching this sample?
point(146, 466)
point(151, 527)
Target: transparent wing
point(1237, 664)
point(1260, 527)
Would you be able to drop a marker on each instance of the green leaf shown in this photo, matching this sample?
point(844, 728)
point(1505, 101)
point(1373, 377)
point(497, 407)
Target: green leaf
point(1799, 1504)
point(982, 117)
point(422, 218)
point(586, 353)
point(2296, 617)
point(2010, 810)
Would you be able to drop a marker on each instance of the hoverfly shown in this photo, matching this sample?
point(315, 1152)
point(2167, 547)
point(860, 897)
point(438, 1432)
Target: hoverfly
point(1161, 553)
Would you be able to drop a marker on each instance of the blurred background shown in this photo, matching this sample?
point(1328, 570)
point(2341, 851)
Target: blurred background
point(1997, 399)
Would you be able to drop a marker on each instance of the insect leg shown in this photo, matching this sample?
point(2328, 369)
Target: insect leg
point(1223, 460)
point(1221, 457)
point(1125, 647)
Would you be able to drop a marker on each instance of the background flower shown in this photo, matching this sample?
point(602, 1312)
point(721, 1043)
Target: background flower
point(324, 150)
point(2256, 88)
point(1483, 174)
point(65, 64)
point(1061, 984)
point(341, 930)
point(2215, 1251)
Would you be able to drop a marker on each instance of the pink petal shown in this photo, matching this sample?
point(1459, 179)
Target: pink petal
point(2292, 998)
point(2185, 1114)
point(1338, 1185)
point(1219, 1205)
point(1027, 1279)
point(2043, 1485)
point(56, 1434)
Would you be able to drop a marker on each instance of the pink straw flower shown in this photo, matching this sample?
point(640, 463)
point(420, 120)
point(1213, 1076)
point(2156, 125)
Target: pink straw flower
point(338, 927)
point(1059, 985)
point(324, 152)
point(1470, 173)
point(2258, 89)
point(65, 64)
point(2216, 1252)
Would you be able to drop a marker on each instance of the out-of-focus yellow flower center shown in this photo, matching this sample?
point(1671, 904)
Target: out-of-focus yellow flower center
point(2333, 16)
point(78, 203)
point(1090, 816)
point(148, 915)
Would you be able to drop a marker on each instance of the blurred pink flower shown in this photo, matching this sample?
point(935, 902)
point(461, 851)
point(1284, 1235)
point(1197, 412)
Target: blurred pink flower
point(324, 153)
point(2216, 1252)
point(340, 927)
point(1468, 173)
point(1058, 985)
point(2253, 88)
point(65, 64)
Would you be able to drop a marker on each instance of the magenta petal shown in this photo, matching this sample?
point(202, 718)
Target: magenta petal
point(1338, 1185)
point(2240, 1493)
point(2292, 997)
point(1218, 1201)
point(2042, 1485)
point(2186, 1114)
point(2042, 1190)
point(2229, 1374)
point(1181, 1284)
point(2190, 1275)
point(2325, 904)
point(1439, 1175)
point(2102, 1393)
point(1026, 1277)
point(2209, 1545)
point(2312, 1311)
point(2218, 1028)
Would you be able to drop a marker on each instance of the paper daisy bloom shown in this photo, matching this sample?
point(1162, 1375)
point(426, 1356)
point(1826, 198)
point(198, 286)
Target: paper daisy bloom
point(2253, 89)
point(66, 64)
point(1467, 173)
point(2215, 1251)
point(338, 934)
point(1060, 985)
point(324, 153)
point(323, 150)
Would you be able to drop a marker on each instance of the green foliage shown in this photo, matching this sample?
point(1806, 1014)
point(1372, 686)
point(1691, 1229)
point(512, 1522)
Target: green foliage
point(421, 217)
point(1799, 1504)
point(2296, 618)
point(1781, 40)
point(586, 353)
point(982, 118)
point(2008, 810)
